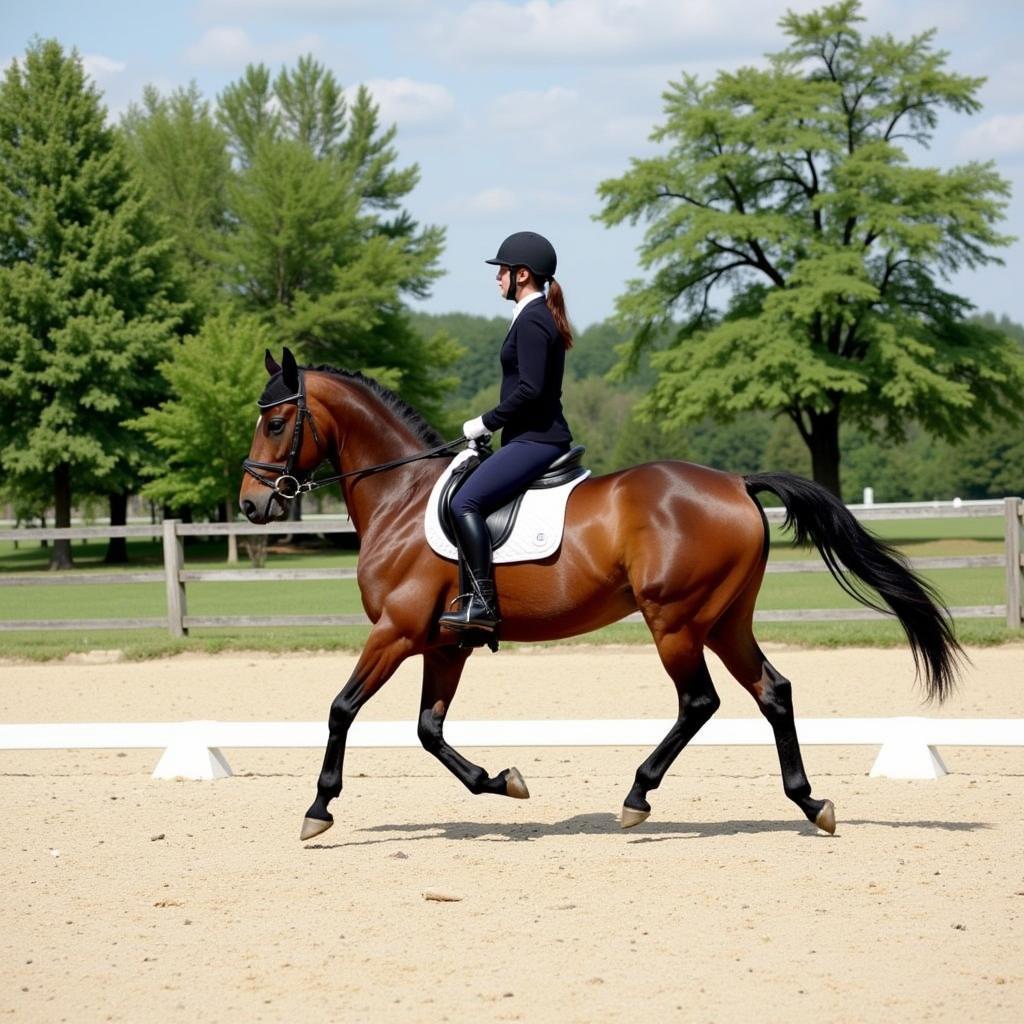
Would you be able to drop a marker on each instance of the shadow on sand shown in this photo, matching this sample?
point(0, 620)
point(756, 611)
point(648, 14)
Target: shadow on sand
point(605, 823)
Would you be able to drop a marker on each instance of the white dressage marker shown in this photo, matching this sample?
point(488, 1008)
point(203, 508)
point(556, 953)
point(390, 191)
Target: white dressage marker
point(192, 749)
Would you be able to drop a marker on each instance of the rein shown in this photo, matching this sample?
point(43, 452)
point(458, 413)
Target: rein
point(288, 484)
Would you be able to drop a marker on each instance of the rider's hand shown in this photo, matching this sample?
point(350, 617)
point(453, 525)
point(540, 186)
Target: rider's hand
point(473, 429)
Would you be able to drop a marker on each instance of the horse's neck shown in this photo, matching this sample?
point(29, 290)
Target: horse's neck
point(371, 434)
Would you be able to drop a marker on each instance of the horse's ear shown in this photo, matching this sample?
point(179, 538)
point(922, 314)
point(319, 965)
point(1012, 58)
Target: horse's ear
point(290, 369)
point(271, 364)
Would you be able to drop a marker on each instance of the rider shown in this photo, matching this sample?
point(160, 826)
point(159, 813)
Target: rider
point(534, 430)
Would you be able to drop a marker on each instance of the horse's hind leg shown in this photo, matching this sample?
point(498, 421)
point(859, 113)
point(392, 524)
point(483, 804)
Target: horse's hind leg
point(733, 641)
point(442, 669)
point(683, 658)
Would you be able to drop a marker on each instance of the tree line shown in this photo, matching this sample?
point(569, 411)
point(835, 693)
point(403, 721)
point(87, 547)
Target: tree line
point(143, 267)
point(794, 311)
point(606, 410)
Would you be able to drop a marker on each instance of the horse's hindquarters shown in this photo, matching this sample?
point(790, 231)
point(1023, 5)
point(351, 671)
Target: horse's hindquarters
point(677, 541)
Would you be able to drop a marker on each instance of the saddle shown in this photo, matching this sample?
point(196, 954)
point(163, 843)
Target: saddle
point(527, 527)
point(501, 523)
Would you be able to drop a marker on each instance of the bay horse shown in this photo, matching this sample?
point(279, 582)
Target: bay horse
point(683, 544)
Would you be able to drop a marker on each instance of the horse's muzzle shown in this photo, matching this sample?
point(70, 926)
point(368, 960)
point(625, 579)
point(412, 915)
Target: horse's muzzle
point(271, 512)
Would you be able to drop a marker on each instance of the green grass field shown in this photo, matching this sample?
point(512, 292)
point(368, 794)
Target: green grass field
point(917, 538)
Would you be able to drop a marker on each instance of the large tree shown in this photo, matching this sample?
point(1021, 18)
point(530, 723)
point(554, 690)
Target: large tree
point(322, 249)
point(87, 303)
point(798, 257)
point(204, 429)
point(182, 155)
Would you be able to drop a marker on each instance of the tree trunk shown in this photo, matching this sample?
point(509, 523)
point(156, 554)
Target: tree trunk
point(824, 446)
point(117, 547)
point(60, 555)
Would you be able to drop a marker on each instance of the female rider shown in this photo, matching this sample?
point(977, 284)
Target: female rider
point(534, 430)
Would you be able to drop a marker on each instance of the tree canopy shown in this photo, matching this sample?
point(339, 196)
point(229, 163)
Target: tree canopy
point(204, 429)
point(797, 257)
point(88, 296)
point(182, 155)
point(322, 249)
point(285, 199)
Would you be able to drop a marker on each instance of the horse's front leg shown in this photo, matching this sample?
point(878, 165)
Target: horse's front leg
point(386, 648)
point(442, 669)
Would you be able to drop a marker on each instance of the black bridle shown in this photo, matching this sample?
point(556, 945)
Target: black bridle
point(289, 484)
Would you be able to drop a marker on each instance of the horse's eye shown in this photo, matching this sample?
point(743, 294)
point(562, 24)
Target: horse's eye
point(276, 425)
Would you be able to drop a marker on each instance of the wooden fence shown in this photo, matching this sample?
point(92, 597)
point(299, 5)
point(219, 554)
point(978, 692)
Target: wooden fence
point(176, 577)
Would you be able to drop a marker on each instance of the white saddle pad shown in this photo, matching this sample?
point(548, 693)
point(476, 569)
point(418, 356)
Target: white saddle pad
point(536, 534)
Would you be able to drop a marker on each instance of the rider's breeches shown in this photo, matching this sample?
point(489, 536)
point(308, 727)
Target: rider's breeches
point(504, 475)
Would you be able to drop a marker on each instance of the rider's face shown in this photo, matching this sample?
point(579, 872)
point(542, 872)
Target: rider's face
point(504, 274)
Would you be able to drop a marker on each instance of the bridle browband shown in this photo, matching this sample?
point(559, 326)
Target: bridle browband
point(288, 484)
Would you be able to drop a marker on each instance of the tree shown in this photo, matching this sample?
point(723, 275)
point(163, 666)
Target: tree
point(88, 303)
point(785, 191)
point(594, 351)
point(204, 430)
point(321, 249)
point(479, 339)
point(182, 155)
point(990, 466)
point(597, 414)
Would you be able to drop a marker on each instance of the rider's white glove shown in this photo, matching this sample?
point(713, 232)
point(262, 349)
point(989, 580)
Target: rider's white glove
point(473, 429)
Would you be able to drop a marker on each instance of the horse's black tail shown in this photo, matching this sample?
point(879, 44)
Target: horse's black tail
point(818, 516)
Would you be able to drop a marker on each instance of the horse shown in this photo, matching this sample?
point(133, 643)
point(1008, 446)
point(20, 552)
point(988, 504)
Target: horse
point(684, 544)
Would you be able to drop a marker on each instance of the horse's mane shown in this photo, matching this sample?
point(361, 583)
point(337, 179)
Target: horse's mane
point(423, 430)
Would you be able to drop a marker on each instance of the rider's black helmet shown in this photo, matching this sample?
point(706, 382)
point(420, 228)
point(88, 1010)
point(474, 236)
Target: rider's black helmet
point(530, 250)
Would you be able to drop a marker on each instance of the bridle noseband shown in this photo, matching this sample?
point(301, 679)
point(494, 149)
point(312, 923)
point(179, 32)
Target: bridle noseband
point(289, 484)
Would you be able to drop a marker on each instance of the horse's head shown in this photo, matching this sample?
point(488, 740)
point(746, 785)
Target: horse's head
point(286, 447)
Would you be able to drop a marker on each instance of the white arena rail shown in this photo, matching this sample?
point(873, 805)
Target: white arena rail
point(192, 750)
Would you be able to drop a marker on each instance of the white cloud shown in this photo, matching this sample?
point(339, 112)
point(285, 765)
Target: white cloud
point(1005, 85)
point(213, 10)
point(410, 104)
point(998, 136)
point(227, 47)
point(562, 122)
point(97, 66)
point(531, 128)
point(540, 31)
point(497, 202)
point(490, 200)
point(904, 19)
point(525, 109)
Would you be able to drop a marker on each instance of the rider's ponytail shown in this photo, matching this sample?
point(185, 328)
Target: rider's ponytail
point(556, 303)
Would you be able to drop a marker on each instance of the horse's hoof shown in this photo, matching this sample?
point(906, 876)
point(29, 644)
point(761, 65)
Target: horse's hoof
point(313, 827)
point(631, 816)
point(515, 785)
point(826, 818)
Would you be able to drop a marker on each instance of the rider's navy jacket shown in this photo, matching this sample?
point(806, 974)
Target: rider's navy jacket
point(532, 363)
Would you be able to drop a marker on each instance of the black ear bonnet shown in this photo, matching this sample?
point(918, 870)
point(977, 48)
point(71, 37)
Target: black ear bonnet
point(277, 392)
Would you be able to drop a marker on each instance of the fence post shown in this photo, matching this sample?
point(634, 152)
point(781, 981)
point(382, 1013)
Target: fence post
point(1014, 567)
point(174, 562)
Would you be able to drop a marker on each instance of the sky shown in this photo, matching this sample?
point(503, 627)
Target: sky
point(516, 111)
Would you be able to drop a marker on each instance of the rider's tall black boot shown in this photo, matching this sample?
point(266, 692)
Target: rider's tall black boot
point(479, 605)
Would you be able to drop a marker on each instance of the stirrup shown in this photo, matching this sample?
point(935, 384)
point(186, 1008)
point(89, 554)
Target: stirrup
point(485, 618)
